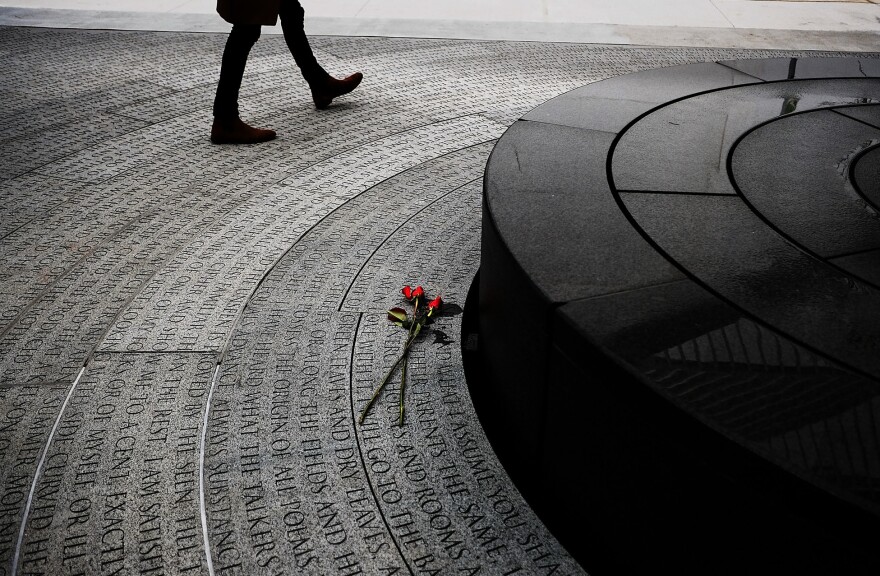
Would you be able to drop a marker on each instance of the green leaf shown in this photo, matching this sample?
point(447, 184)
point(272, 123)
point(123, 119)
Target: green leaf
point(398, 316)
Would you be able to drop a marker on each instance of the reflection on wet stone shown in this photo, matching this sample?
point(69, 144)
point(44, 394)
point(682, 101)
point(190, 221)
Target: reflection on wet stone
point(823, 423)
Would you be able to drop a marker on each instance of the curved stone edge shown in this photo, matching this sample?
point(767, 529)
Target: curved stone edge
point(332, 494)
point(641, 460)
point(863, 175)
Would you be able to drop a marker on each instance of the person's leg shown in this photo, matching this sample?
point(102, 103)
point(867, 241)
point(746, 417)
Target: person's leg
point(292, 16)
point(324, 87)
point(227, 127)
point(241, 39)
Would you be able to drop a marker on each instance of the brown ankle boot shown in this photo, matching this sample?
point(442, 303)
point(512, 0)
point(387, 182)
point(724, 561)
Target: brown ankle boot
point(235, 131)
point(325, 91)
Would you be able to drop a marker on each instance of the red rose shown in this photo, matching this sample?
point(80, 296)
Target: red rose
point(407, 292)
point(419, 292)
point(435, 304)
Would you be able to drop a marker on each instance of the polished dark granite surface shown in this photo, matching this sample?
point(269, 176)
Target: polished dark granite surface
point(773, 69)
point(865, 177)
point(793, 175)
point(719, 261)
point(683, 146)
point(573, 173)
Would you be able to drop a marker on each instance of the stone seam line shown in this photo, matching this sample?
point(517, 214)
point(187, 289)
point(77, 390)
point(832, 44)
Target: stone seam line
point(222, 354)
point(30, 498)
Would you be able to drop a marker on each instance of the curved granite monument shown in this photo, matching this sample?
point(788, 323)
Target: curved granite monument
point(679, 304)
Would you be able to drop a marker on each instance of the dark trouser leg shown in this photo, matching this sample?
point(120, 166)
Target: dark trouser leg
point(241, 39)
point(292, 23)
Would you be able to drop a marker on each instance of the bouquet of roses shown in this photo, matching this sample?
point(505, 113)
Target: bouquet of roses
point(421, 316)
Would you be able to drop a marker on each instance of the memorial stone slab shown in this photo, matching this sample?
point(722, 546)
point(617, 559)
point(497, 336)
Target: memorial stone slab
point(31, 196)
point(52, 245)
point(107, 159)
point(119, 485)
point(348, 48)
point(55, 334)
point(253, 237)
point(15, 101)
point(445, 268)
point(32, 151)
point(27, 417)
point(78, 108)
point(328, 256)
point(49, 246)
point(307, 137)
point(165, 104)
point(436, 82)
point(393, 214)
point(72, 70)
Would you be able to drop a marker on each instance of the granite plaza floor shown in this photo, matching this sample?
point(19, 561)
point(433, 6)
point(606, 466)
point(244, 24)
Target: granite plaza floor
point(190, 331)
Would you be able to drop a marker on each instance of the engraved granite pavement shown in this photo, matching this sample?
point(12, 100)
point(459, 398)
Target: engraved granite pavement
point(188, 332)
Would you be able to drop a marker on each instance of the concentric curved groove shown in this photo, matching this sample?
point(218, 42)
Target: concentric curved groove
point(227, 345)
point(203, 511)
point(738, 403)
point(89, 356)
point(30, 497)
point(762, 217)
point(391, 234)
point(391, 135)
point(225, 348)
point(357, 439)
point(840, 110)
point(679, 266)
point(221, 355)
point(851, 175)
point(617, 137)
